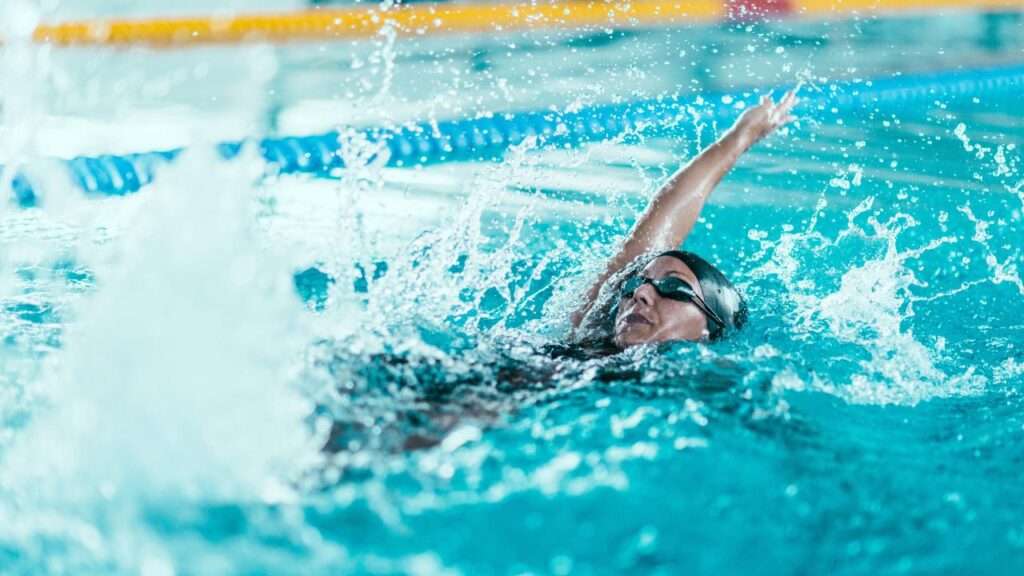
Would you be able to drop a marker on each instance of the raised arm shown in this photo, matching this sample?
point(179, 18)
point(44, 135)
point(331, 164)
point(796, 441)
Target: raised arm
point(675, 209)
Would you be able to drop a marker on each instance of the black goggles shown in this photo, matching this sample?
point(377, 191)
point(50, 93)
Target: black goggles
point(674, 289)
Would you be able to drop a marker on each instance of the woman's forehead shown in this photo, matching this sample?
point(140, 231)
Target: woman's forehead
point(663, 265)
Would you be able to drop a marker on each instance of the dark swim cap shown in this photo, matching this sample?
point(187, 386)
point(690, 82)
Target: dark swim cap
point(719, 294)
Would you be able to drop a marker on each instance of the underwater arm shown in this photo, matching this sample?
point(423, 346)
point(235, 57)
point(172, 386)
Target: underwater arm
point(675, 209)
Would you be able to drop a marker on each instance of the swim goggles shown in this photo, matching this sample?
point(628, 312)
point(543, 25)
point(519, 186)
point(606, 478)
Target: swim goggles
point(673, 289)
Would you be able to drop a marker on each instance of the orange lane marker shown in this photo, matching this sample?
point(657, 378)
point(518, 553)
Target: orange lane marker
point(434, 18)
point(348, 23)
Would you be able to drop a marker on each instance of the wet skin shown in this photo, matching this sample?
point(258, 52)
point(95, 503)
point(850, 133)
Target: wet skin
point(647, 318)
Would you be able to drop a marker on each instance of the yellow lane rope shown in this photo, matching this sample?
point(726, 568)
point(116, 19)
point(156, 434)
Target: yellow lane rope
point(360, 22)
point(422, 19)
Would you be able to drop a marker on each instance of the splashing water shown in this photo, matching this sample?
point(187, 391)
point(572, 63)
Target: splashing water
point(865, 307)
point(173, 384)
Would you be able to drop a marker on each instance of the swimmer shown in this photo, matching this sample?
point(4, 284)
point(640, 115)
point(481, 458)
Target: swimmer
point(648, 293)
point(651, 292)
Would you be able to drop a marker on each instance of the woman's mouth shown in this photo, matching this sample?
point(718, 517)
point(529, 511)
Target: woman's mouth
point(634, 318)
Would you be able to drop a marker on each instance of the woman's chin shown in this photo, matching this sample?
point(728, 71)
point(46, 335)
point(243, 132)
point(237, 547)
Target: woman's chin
point(630, 337)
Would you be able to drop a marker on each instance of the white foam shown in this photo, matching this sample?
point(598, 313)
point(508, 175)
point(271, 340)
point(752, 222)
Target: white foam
point(174, 383)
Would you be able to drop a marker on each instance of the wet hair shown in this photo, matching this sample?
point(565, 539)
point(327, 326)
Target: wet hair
point(719, 294)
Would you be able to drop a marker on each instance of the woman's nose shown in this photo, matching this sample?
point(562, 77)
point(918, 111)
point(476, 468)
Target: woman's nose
point(644, 294)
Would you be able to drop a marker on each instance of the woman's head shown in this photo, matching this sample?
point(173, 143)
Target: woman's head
point(651, 311)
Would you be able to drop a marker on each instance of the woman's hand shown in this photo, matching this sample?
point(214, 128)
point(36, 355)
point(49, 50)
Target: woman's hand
point(765, 118)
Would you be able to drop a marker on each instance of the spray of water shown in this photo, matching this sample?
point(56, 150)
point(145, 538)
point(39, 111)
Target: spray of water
point(863, 307)
point(1002, 165)
point(174, 381)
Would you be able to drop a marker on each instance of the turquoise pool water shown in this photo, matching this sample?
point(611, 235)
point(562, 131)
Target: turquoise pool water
point(164, 392)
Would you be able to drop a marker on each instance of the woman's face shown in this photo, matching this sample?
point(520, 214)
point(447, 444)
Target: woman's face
point(646, 317)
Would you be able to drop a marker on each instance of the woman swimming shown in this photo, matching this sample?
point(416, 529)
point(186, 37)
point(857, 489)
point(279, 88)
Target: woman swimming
point(650, 292)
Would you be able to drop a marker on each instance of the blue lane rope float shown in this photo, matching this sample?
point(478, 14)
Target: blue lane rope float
point(429, 143)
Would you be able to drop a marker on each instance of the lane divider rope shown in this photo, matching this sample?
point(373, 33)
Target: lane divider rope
point(489, 137)
point(361, 22)
point(446, 18)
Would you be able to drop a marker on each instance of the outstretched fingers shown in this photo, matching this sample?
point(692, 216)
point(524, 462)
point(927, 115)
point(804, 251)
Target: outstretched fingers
point(788, 101)
point(785, 107)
